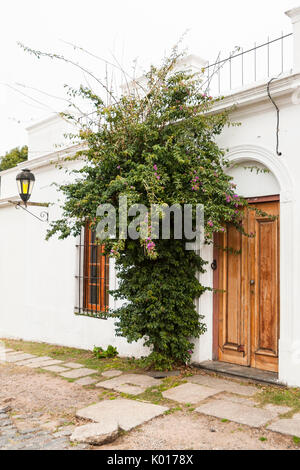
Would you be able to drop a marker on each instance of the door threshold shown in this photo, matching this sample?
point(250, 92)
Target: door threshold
point(235, 370)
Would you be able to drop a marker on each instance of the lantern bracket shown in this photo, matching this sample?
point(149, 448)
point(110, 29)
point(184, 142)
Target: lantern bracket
point(44, 215)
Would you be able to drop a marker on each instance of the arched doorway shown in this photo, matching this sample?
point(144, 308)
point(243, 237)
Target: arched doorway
point(247, 311)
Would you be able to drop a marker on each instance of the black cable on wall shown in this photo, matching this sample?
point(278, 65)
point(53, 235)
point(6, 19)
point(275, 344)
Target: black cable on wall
point(277, 112)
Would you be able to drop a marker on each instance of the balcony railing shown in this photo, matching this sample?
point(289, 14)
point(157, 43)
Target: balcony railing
point(244, 67)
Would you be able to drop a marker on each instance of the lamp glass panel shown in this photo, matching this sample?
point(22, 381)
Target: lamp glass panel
point(19, 183)
point(31, 184)
point(25, 186)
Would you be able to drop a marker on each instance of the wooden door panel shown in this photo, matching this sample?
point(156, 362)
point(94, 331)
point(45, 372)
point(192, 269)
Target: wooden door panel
point(233, 307)
point(248, 299)
point(265, 293)
point(233, 340)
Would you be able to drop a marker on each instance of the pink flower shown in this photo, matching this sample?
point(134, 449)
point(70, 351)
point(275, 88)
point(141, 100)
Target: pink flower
point(155, 167)
point(210, 223)
point(150, 246)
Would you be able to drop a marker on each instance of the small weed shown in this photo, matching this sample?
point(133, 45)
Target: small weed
point(101, 353)
point(296, 440)
point(73, 444)
point(172, 410)
point(68, 423)
point(224, 420)
point(281, 396)
point(263, 439)
point(152, 394)
point(170, 382)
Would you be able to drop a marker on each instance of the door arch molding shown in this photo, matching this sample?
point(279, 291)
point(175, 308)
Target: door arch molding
point(243, 153)
point(276, 166)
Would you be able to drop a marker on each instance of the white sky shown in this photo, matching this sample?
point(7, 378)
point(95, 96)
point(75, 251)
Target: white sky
point(127, 29)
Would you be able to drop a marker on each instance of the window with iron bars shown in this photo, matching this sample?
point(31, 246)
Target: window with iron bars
point(93, 276)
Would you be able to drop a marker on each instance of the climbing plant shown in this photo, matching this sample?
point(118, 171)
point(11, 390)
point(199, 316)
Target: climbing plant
point(155, 144)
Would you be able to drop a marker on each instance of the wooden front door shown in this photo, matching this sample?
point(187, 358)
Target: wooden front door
point(247, 309)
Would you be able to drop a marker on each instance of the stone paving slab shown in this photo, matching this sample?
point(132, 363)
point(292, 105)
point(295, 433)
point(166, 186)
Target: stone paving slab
point(287, 426)
point(127, 414)
point(112, 373)
point(96, 433)
point(189, 393)
point(243, 414)
point(236, 399)
point(6, 350)
point(40, 364)
point(86, 381)
point(18, 357)
point(138, 380)
point(278, 409)
point(73, 365)
point(15, 352)
point(223, 385)
point(130, 389)
point(77, 373)
point(56, 369)
point(35, 360)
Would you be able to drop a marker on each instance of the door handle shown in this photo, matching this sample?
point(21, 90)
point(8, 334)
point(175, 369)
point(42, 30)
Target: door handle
point(214, 265)
point(252, 282)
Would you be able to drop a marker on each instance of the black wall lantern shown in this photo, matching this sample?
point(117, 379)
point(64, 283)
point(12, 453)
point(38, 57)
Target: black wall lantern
point(25, 181)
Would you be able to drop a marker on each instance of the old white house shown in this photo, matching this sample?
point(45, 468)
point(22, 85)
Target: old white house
point(46, 290)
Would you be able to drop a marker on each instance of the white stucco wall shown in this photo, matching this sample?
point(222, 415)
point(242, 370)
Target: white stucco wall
point(49, 135)
point(38, 288)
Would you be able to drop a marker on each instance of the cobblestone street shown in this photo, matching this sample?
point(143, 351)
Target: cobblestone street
point(34, 437)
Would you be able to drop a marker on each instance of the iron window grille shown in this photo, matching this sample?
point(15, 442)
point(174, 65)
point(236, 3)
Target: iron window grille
point(92, 278)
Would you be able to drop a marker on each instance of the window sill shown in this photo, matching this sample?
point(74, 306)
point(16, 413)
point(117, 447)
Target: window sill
point(90, 313)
